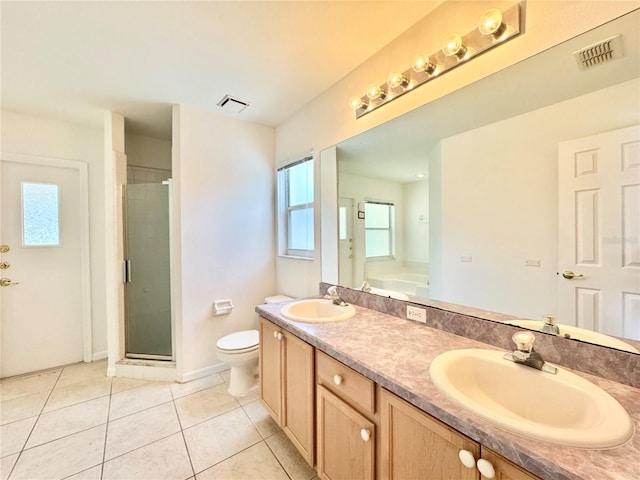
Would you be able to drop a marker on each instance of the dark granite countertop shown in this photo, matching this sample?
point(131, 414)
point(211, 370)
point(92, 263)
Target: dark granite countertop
point(396, 354)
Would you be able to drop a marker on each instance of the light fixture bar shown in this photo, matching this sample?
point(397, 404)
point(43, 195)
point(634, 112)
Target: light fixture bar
point(473, 44)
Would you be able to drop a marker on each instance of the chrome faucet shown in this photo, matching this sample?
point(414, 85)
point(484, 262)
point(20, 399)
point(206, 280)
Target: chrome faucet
point(365, 286)
point(525, 355)
point(549, 325)
point(332, 294)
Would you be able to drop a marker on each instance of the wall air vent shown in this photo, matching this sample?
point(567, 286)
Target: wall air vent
point(232, 105)
point(598, 53)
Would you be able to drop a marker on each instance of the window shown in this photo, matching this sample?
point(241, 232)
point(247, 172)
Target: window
point(379, 218)
point(295, 193)
point(40, 215)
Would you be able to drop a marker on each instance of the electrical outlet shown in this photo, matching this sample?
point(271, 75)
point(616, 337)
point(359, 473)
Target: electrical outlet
point(417, 314)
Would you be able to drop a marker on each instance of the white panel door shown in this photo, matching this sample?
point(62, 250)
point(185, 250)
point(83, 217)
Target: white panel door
point(599, 228)
point(345, 242)
point(43, 306)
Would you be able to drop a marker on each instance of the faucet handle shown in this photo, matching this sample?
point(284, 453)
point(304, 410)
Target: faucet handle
point(332, 290)
point(524, 341)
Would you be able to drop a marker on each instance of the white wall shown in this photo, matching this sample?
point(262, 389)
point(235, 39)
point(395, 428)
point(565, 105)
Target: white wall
point(224, 175)
point(149, 152)
point(500, 201)
point(416, 221)
point(37, 136)
point(328, 120)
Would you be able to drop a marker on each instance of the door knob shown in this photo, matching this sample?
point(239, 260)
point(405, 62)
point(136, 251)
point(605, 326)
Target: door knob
point(4, 248)
point(568, 274)
point(6, 282)
point(4, 265)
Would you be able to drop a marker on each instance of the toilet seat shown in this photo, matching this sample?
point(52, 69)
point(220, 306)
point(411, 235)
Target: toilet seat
point(239, 342)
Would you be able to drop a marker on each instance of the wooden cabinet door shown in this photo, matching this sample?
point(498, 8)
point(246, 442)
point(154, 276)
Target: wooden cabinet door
point(299, 380)
point(417, 446)
point(271, 369)
point(343, 452)
point(505, 469)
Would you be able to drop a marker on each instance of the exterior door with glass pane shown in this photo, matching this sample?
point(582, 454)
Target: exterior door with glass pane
point(42, 308)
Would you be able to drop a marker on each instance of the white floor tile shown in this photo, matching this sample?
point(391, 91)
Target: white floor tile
point(120, 384)
point(14, 435)
point(138, 399)
point(164, 459)
point(221, 437)
point(22, 407)
point(94, 473)
point(6, 464)
point(203, 405)
point(296, 467)
point(261, 419)
point(69, 420)
point(61, 458)
point(19, 387)
point(77, 393)
point(142, 428)
point(182, 389)
point(81, 372)
point(254, 463)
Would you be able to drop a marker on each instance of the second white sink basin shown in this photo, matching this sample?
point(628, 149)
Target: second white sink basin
point(564, 409)
point(317, 310)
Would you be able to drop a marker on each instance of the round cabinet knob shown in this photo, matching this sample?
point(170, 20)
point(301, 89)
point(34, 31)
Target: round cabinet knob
point(365, 434)
point(275, 335)
point(486, 469)
point(337, 379)
point(279, 336)
point(467, 459)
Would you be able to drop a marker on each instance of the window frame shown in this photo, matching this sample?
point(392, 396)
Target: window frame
point(391, 229)
point(285, 210)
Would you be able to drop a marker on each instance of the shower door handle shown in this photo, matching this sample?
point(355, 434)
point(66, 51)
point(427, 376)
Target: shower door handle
point(127, 271)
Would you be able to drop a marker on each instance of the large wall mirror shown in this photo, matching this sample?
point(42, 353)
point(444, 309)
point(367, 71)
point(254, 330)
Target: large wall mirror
point(492, 196)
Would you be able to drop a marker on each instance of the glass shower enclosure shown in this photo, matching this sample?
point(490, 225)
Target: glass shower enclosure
point(148, 331)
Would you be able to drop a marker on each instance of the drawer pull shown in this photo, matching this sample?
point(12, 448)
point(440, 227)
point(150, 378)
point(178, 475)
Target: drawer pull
point(486, 469)
point(365, 434)
point(467, 459)
point(277, 335)
point(337, 379)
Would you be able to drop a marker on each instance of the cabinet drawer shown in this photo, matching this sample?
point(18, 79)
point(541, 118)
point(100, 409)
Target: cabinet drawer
point(347, 383)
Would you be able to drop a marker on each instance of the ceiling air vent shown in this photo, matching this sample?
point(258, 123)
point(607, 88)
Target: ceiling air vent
point(232, 105)
point(598, 53)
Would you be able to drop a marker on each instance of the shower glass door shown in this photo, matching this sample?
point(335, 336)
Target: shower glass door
point(147, 271)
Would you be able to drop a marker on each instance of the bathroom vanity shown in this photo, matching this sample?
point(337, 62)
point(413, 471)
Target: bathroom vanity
point(356, 399)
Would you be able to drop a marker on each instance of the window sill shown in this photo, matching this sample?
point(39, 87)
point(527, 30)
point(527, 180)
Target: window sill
point(296, 257)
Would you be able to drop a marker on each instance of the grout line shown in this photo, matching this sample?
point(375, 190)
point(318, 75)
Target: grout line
point(186, 447)
point(286, 472)
point(106, 431)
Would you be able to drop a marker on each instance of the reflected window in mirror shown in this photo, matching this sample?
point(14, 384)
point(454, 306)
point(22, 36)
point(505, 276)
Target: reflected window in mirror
point(379, 221)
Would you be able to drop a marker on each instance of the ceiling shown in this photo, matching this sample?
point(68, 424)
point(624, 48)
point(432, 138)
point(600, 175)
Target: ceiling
point(74, 60)
point(550, 77)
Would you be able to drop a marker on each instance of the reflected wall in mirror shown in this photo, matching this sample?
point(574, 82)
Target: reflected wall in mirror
point(484, 209)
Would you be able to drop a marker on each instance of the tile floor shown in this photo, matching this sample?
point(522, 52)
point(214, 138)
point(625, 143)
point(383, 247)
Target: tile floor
point(76, 423)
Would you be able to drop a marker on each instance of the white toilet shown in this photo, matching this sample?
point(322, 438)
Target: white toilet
point(240, 351)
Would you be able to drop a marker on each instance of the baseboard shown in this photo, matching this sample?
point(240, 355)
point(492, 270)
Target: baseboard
point(202, 372)
point(99, 356)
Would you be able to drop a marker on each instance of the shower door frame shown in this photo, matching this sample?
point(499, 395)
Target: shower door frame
point(146, 356)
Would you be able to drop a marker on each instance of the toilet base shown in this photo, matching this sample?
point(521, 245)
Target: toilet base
point(242, 380)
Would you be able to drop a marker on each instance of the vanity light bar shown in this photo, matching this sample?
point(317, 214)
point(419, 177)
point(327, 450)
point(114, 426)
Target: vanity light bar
point(495, 28)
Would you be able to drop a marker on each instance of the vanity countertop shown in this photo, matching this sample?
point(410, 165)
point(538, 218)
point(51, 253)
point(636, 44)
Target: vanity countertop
point(396, 354)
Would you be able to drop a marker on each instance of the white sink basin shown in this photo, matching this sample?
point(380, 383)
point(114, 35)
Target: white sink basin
point(563, 409)
point(579, 334)
point(317, 310)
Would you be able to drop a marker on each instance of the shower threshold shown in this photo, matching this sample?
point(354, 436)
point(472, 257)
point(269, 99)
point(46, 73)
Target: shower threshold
point(145, 356)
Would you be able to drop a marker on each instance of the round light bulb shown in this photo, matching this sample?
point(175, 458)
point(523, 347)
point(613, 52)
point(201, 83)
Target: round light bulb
point(452, 46)
point(491, 22)
point(356, 102)
point(376, 92)
point(422, 63)
point(397, 79)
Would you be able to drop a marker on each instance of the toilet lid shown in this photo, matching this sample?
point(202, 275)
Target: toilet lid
point(239, 340)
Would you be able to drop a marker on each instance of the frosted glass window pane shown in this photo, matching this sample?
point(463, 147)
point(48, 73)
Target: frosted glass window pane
point(301, 229)
point(377, 243)
point(41, 216)
point(343, 223)
point(300, 183)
